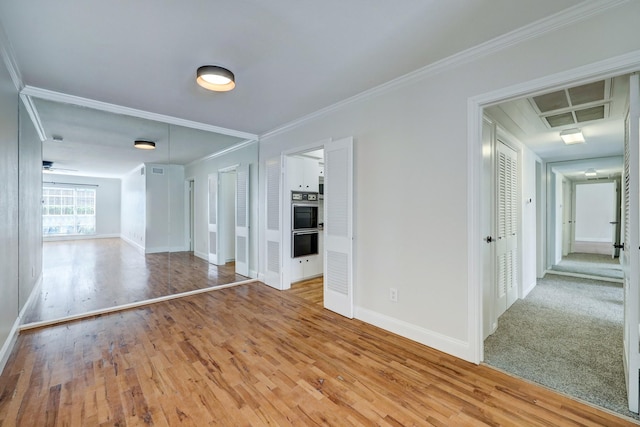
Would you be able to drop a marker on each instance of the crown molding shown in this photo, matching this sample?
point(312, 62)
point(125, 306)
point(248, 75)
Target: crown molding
point(50, 95)
point(10, 60)
point(533, 30)
point(227, 150)
point(34, 115)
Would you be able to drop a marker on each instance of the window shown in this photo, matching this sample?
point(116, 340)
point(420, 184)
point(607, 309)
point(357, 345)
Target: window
point(68, 211)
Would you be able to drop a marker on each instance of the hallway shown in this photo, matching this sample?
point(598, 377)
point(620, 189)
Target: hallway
point(566, 335)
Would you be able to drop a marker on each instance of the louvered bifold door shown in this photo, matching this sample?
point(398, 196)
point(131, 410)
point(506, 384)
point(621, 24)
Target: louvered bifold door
point(630, 256)
point(273, 250)
point(242, 220)
point(506, 227)
point(213, 218)
point(338, 220)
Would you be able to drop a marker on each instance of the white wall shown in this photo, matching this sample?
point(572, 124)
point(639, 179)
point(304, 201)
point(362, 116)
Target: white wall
point(9, 266)
point(595, 209)
point(412, 175)
point(108, 206)
point(164, 229)
point(559, 215)
point(529, 227)
point(20, 212)
point(133, 208)
point(200, 171)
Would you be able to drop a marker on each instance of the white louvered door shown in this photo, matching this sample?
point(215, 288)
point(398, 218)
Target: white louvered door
point(242, 220)
point(213, 218)
point(506, 227)
point(273, 251)
point(338, 219)
point(630, 256)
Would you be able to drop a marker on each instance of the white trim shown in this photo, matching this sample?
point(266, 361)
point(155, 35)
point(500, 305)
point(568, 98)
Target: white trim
point(611, 67)
point(8, 345)
point(201, 255)
point(12, 338)
point(79, 237)
point(129, 306)
point(118, 109)
point(424, 336)
point(584, 276)
point(222, 152)
point(566, 17)
point(35, 116)
point(137, 246)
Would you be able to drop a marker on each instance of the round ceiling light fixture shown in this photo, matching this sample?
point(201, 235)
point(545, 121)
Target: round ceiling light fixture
point(215, 78)
point(142, 144)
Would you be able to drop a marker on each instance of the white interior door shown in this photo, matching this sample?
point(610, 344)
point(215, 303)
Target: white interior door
point(506, 227)
point(630, 255)
point(242, 220)
point(213, 219)
point(338, 220)
point(273, 250)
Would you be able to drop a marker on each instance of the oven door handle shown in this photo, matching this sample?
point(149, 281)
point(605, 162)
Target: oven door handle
point(300, 233)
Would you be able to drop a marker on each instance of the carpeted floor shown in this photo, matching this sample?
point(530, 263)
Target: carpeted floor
point(590, 264)
point(566, 335)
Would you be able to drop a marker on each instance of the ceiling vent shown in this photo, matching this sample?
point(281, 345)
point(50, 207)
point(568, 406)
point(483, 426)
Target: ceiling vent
point(574, 105)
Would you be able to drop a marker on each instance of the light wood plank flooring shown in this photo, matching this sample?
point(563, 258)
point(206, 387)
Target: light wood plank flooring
point(310, 290)
point(253, 356)
point(84, 275)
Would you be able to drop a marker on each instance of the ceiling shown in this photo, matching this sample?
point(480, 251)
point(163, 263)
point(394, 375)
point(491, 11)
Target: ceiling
point(290, 59)
point(596, 108)
point(88, 142)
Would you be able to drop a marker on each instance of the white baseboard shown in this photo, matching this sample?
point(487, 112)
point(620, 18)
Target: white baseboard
point(10, 342)
point(8, 345)
point(79, 237)
point(584, 247)
point(526, 291)
point(202, 255)
point(424, 336)
point(137, 246)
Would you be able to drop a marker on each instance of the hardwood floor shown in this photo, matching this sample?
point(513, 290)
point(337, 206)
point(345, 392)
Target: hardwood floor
point(84, 275)
point(252, 356)
point(310, 290)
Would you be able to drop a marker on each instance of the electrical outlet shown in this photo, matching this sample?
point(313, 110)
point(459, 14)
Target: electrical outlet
point(393, 294)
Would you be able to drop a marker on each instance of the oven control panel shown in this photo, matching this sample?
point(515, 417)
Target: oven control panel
point(301, 196)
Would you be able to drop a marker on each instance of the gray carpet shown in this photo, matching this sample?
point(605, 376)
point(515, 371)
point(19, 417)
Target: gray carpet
point(590, 264)
point(566, 335)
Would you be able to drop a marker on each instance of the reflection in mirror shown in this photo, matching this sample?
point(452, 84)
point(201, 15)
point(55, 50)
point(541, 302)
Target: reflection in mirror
point(206, 253)
point(120, 224)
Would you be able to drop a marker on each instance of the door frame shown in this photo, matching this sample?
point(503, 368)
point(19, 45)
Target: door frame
point(285, 218)
point(611, 67)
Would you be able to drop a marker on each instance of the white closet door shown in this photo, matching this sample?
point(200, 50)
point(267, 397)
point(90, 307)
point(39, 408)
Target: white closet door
point(630, 257)
point(506, 227)
point(242, 220)
point(213, 219)
point(273, 251)
point(338, 220)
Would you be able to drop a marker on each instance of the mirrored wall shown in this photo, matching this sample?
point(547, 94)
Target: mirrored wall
point(123, 224)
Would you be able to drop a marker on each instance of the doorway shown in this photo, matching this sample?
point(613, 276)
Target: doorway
point(559, 203)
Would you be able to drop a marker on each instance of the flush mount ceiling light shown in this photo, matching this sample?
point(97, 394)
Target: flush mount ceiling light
point(215, 78)
point(590, 172)
point(572, 136)
point(144, 145)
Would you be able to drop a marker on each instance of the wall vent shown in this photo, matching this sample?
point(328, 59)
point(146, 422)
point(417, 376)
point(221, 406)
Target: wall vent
point(157, 171)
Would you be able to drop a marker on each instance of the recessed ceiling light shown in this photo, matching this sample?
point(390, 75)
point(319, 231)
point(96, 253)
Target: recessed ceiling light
point(590, 172)
point(215, 78)
point(144, 145)
point(572, 136)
